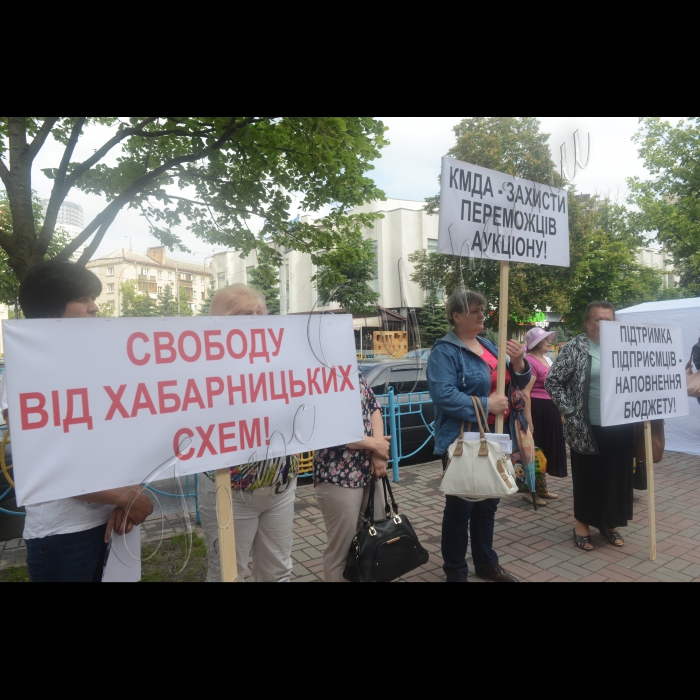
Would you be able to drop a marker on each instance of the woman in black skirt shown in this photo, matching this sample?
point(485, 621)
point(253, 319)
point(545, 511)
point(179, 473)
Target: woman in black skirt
point(541, 412)
point(602, 459)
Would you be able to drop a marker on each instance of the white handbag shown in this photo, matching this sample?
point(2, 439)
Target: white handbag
point(477, 470)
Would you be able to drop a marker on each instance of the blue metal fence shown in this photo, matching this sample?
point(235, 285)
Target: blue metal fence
point(397, 411)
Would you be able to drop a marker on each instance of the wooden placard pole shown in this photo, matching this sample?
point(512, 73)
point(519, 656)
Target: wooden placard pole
point(503, 338)
point(227, 535)
point(651, 493)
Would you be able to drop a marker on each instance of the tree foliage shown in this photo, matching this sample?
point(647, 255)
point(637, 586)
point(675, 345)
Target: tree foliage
point(607, 266)
point(433, 321)
point(135, 304)
point(9, 282)
point(670, 200)
point(213, 174)
point(206, 306)
point(265, 278)
point(167, 303)
point(604, 241)
point(344, 275)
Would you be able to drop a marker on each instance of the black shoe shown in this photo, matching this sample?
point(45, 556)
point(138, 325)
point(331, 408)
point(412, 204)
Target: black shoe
point(457, 578)
point(498, 575)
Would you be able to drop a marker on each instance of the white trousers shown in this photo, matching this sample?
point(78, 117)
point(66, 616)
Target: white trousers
point(343, 511)
point(263, 523)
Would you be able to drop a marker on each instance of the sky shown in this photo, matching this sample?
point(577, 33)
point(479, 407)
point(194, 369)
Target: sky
point(408, 169)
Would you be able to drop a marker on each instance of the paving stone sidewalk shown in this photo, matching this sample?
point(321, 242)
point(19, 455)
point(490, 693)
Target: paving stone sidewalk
point(537, 547)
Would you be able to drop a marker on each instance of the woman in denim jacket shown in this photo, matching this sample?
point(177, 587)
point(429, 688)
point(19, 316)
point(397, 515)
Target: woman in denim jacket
point(463, 365)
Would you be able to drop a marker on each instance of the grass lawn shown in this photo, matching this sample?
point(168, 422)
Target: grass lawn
point(162, 568)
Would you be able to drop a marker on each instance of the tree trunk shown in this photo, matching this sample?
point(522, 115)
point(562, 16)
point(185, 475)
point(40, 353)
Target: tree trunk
point(19, 192)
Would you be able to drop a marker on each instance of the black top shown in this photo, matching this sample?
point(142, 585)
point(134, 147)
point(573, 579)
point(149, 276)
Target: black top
point(696, 356)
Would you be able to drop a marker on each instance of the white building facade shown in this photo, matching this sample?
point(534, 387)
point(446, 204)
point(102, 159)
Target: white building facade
point(405, 229)
point(658, 259)
point(152, 271)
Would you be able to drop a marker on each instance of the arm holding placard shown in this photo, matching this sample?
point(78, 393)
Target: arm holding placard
point(131, 508)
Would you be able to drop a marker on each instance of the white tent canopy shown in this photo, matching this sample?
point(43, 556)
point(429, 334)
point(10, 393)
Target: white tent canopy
point(682, 434)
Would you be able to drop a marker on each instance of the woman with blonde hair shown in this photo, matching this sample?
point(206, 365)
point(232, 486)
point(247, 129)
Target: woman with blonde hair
point(263, 493)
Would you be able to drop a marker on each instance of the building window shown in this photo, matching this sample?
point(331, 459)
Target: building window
point(194, 295)
point(160, 290)
point(170, 276)
point(111, 305)
point(110, 288)
point(144, 272)
point(160, 274)
point(432, 245)
point(110, 272)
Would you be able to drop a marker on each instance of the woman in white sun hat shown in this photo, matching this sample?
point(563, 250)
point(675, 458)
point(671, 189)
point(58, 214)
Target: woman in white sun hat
point(541, 412)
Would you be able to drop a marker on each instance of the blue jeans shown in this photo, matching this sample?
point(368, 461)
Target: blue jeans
point(460, 517)
point(76, 558)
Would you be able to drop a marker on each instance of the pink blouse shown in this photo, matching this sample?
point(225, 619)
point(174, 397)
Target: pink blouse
point(540, 372)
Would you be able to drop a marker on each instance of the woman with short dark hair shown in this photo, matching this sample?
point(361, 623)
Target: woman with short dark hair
point(602, 459)
point(67, 539)
point(463, 365)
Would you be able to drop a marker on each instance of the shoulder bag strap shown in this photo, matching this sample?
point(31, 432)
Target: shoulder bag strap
point(389, 496)
point(480, 411)
point(460, 443)
point(369, 513)
point(484, 451)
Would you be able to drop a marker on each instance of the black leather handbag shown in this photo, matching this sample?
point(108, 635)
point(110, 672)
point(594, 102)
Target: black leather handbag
point(384, 551)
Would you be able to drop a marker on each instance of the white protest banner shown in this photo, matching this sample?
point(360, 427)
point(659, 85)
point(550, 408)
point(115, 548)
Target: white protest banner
point(642, 373)
point(101, 404)
point(491, 216)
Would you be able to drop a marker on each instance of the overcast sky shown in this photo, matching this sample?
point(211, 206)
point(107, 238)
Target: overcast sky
point(408, 169)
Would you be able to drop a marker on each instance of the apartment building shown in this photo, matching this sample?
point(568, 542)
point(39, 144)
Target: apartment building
point(152, 271)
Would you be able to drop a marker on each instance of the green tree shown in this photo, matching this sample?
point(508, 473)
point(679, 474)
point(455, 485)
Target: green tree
point(670, 200)
point(434, 323)
point(603, 237)
point(265, 278)
point(608, 267)
point(9, 282)
point(106, 310)
point(135, 304)
point(206, 306)
point(212, 173)
point(516, 146)
point(167, 304)
point(185, 301)
point(344, 275)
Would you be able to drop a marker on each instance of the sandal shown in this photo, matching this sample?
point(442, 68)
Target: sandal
point(549, 496)
point(583, 543)
point(528, 499)
point(614, 538)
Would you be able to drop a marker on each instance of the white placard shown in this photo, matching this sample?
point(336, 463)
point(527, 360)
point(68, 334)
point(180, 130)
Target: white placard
point(124, 561)
point(102, 404)
point(490, 216)
point(642, 373)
